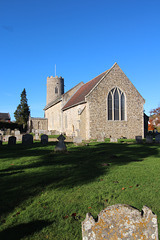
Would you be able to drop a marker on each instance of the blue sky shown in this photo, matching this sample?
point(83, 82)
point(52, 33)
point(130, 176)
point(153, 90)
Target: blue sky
point(83, 39)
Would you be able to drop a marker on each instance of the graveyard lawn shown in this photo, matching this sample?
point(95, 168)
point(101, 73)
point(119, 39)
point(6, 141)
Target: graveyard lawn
point(46, 195)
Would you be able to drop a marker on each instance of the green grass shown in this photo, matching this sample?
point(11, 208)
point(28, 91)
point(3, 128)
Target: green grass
point(44, 195)
point(53, 136)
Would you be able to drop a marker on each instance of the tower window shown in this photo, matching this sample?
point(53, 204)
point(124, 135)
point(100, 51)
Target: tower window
point(116, 105)
point(56, 89)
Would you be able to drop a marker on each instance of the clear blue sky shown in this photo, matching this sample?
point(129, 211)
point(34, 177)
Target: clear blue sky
point(83, 38)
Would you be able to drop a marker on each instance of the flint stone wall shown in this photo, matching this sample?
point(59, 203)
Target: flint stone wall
point(121, 222)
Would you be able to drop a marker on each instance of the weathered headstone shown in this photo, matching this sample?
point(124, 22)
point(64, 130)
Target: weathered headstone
point(1, 132)
point(1, 139)
point(16, 132)
point(139, 139)
point(157, 138)
point(36, 136)
point(100, 137)
point(5, 138)
point(8, 131)
point(44, 139)
point(121, 222)
point(77, 140)
point(113, 139)
point(61, 147)
point(27, 139)
point(11, 140)
point(149, 139)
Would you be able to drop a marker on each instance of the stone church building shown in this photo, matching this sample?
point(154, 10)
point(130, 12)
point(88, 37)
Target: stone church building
point(106, 106)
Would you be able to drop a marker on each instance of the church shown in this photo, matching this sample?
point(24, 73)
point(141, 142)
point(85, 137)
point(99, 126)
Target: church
point(107, 106)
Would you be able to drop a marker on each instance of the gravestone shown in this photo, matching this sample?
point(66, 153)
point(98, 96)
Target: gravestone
point(8, 131)
point(61, 147)
point(157, 138)
point(44, 139)
point(77, 140)
point(27, 139)
point(11, 140)
point(121, 222)
point(139, 139)
point(113, 139)
point(149, 139)
point(1, 139)
point(5, 138)
point(36, 136)
point(1, 132)
point(16, 132)
point(101, 137)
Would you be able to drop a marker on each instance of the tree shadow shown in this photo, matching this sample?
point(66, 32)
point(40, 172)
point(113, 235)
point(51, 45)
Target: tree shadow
point(52, 170)
point(23, 230)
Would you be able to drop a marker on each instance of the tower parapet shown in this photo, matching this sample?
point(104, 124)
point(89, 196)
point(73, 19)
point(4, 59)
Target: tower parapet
point(55, 88)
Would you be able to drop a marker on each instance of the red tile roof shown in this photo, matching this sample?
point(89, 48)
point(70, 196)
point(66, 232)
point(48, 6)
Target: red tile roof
point(79, 96)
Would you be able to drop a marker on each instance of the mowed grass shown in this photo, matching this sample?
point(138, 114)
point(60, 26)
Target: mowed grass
point(45, 195)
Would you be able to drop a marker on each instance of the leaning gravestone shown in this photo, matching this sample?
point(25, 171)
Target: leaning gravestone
point(149, 139)
point(121, 222)
point(27, 139)
point(44, 139)
point(61, 147)
point(157, 138)
point(11, 140)
point(139, 139)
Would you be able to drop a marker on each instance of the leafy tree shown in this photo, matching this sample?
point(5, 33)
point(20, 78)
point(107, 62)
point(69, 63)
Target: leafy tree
point(22, 112)
point(154, 118)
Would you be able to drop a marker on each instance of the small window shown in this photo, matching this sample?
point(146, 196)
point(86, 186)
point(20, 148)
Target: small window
point(56, 89)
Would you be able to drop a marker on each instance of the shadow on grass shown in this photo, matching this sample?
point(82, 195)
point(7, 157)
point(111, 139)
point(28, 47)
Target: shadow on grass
point(56, 171)
point(23, 230)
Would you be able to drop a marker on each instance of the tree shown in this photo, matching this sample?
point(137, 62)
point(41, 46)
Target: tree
point(22, 112)
point(154, 119)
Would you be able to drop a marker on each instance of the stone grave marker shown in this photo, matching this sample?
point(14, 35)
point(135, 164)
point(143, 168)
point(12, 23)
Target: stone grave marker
point(11, 140)
point(1, 132)
point(1, 139)
point(8, 131)
point(149, 139)
point(16, 132)
point(27, 139)
point(61, 147)
point(121, 222)
point(36, 136)
point(101, 137)
point(157, 138)
point(44, 139)
point(113, 140)
point(77, 140)
point(139, 139)
point(5, 138)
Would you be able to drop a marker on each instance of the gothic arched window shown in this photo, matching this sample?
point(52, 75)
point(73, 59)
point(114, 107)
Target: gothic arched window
point(116, 104)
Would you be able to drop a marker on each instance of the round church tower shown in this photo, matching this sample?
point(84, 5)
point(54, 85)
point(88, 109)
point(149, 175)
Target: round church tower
point(55, 88)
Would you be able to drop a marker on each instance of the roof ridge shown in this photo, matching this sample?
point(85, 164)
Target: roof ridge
point(107, 71)
point(81, 94)
point(73, 87)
